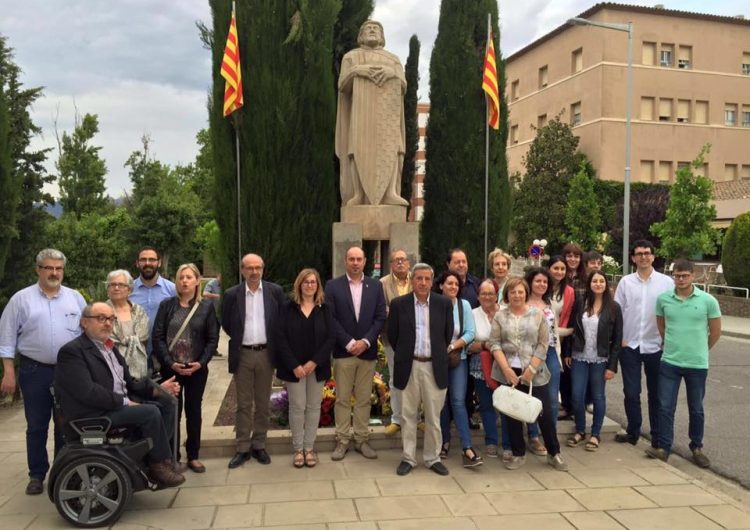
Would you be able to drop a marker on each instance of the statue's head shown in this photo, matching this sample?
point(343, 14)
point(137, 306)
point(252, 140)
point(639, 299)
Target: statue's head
point(371, 34)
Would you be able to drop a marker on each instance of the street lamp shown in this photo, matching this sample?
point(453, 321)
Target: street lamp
point(628, 28)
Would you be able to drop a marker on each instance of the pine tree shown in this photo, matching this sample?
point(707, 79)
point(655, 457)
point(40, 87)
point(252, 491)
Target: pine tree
point(454, 186)
point(582, 216)
point(81, 170)
point(29, 176)
point(411, 71)
point(9, 185)
point(286, 131)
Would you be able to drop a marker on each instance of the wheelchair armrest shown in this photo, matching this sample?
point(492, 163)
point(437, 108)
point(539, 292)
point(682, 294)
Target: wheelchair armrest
point(90, 425)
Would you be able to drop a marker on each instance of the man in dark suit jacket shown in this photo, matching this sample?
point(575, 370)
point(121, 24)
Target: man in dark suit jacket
point(248, 316)
point(92, 379)
point(358, 310)
point(420, 328)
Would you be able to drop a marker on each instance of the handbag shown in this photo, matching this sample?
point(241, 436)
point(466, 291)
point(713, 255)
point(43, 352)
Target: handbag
point(516, 404)
point(454, 356)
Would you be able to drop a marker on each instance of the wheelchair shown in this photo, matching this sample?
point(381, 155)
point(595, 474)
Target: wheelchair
point(95, 474)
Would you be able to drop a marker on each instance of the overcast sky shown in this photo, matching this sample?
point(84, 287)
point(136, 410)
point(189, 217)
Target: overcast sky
point(140, 66)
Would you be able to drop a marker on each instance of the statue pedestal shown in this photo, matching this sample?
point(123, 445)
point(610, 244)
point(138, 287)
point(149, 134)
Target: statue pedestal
point(375, 220)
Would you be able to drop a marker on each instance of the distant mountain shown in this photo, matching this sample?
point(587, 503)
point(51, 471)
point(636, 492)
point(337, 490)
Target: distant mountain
point(55, 210)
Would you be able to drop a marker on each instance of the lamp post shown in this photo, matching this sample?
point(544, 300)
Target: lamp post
point(628, 28)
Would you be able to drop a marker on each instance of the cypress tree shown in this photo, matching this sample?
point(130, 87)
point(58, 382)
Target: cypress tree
point(286, 131)
point(8, 183)
point(454, 186)
point(411, 72)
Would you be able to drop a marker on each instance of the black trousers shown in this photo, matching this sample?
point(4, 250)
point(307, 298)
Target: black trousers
point(546, 422)
point(191, 400)
point(147, 417)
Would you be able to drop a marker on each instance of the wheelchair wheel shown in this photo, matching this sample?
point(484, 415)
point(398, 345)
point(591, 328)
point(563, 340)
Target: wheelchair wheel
point(92, 491)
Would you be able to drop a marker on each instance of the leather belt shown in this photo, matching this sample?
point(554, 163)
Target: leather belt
point(423, 359)
point(33, 362)
point(255, 347)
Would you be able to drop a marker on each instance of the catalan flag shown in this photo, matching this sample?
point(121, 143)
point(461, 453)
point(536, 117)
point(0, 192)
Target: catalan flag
point(231, 72)
point(489, 85)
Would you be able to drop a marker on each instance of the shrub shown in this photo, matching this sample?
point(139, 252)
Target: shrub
point(735, 254)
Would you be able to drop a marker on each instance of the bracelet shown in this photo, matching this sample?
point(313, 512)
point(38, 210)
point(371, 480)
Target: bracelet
point(532, 369)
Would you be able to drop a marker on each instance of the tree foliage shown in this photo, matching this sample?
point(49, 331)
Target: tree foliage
point(582, 217)
point(81, 171)
point(455, 184)
point(286, 131)
point(29, 176)
point(8, 183)
point(539, 209)
point(411, 71)
point(735, 252)
point(687, 230)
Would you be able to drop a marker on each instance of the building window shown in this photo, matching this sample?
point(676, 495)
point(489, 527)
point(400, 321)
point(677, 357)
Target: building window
point(575, 114)
point(513, 134)
point(700, 112)
point(514, 90)
point(665, 171)
point(746, 63)
point(730, 114)
point(683, 111)
point(730, 171)
point(576, 61)
point(649, 54)
point(541, 121)
point(746, 115)
point(682, 165)
point(745, 174)
point(543, 76)
point(647, 171)
point(647, 109)
point(665, 109)
point(666, 55)
point(684, 57)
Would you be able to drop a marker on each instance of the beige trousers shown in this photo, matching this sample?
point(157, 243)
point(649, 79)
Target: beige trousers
point(421, 388)
point(253, 380)
point(353, 378)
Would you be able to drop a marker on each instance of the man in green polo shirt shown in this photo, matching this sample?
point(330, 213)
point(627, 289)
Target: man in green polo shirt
point(689, 322)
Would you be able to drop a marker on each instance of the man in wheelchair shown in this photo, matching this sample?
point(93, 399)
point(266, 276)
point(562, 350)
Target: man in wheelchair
point(92, 380)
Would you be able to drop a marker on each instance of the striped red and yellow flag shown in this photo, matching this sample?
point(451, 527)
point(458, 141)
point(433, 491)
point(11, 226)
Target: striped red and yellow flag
point(489, 85)
point(231, 71)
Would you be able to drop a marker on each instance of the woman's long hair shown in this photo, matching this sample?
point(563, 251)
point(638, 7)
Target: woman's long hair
point(319, 296)
point(436, 286)
point(608, 302)
point(580, 272)
point(533, 273)
point(194, 269)
point(559, 289)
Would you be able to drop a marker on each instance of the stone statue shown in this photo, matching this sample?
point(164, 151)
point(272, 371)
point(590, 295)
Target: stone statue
point(370, 127)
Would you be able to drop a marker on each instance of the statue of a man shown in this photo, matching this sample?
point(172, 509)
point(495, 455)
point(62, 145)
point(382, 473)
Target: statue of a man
point(370, 122)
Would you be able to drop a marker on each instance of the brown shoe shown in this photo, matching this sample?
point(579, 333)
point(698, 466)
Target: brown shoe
point(164, 474)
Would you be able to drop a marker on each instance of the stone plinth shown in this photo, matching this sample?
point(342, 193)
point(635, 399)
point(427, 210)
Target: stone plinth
point(375, 221)
point(405, 236)
point(345, 235)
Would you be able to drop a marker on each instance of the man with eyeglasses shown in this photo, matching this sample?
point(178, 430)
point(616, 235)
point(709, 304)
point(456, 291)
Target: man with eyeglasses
point(641, 343)
point(37, 321)
point(92, 380)
point(150, 288)
point(689, 322)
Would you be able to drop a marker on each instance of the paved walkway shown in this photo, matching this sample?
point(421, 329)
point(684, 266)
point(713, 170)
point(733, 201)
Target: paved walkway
point(617, 487)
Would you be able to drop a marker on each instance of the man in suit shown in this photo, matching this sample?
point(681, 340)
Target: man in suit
point(248, 316)
point(420, 328)
point(92, 379)
point(358, 309)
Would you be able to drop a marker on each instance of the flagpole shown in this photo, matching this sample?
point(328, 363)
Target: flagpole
point(239, 218)
point(486, 155)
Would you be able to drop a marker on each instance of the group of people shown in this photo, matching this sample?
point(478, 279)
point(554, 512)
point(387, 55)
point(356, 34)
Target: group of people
point(558, 330)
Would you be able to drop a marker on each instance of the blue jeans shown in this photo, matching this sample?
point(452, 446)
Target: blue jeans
point(630, 366)
point(35, 380)
point(553, 365)
point(456, 400)
point(588, 375)
point(670, 377)
point(487, 411)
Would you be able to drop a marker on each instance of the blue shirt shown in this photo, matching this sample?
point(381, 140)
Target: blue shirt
point(37, 326)
point(149, 298)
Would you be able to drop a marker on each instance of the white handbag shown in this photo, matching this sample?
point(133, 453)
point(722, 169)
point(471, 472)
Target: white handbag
point(516, 404)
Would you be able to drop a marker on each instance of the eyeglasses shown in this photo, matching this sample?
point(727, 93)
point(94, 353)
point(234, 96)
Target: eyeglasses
point(310, 282)
point(102, 319)
point(642, 254)
point(50, 268)
point(683, 276)
point(118, 286)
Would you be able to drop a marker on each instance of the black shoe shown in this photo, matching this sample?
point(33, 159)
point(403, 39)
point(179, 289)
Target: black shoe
point(34, 487)
point(471, 461)
point(439, 468)
point(261, 456)
point(238, 459)
point(622, 438)
point(403, 468)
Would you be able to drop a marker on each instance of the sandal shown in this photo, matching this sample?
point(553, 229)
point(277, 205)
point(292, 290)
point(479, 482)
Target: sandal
point(444, 450)
point(593, 443)
point(311, 458)
point(577, 438)
point(298, 459)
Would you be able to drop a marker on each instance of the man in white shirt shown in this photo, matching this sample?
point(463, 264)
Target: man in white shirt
point(641, 343)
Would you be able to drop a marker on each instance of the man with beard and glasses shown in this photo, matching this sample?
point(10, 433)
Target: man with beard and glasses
point(37, 321)
point(150, 288)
